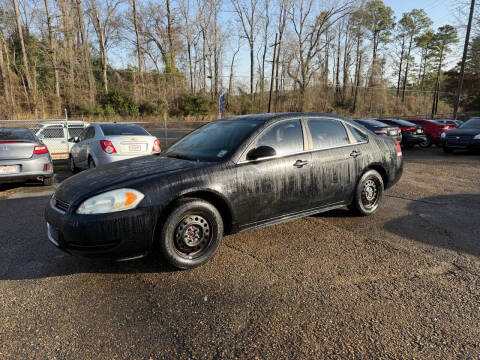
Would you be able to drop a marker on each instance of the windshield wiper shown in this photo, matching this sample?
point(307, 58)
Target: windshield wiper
point(179, 156)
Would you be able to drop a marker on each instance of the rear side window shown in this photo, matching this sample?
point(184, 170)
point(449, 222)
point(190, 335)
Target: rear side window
point(285, 137)
point(75, 131)
point(11, 134)
point(357, 134)
point(53, 132)
point(327, 133)
point(123, 129)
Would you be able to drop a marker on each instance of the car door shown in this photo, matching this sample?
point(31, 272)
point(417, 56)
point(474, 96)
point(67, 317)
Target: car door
point(278, 185)
point(334, 165)
point(83, 147)
point(53, 136)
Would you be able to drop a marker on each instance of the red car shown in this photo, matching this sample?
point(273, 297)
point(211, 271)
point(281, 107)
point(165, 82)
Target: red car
point(433, 130)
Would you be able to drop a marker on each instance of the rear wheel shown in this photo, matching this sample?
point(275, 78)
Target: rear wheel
point(368, 194)
point(48, 181)
point(91, 163)
point(191, 234)
point(427, 143)
point(447, 149)
point(71, 164)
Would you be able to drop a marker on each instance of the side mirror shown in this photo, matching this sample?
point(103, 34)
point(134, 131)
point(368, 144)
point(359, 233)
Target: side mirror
point(261, 152)
point(74, 139)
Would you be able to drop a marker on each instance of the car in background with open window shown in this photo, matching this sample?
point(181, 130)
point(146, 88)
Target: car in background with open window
point(103, 143)
point(55, 134)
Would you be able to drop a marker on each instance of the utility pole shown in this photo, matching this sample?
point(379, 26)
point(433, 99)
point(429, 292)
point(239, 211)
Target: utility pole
point(464, 58)
point(273, 73)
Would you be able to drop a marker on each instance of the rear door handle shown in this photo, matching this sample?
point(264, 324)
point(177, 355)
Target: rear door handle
point(355, 153)
point(300, 163)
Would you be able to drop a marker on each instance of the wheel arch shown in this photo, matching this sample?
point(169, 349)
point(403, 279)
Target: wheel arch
point(213, 198)
point(382, 171)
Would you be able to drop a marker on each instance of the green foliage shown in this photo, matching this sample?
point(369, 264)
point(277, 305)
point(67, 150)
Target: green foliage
point(379, 20)
point(195, 104)
point(119, 103)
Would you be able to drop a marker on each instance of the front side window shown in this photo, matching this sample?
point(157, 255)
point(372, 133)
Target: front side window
point(327, 133)
point(74, 131)
point(285, 137)
point(53, 132)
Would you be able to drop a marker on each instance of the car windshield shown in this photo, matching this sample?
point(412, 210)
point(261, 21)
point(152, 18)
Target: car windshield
point(123, 129)
point(471, 124)
point(215, 141)
point(16, 134)
point(371, 122)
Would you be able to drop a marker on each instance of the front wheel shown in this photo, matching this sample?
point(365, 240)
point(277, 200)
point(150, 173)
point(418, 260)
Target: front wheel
point(368, 194)
point(191, 234)
point(71, 163)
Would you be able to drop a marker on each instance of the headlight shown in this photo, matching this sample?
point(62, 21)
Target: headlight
point(476, 137)
point(111, 201)
point(442, 136)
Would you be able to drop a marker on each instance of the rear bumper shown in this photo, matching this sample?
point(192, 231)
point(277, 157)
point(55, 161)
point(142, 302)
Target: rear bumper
point(414, 139)
point(104, 158)
point(121, 235)
point(32, 168)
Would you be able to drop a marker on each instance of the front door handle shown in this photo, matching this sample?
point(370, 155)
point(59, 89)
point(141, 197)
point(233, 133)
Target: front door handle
point(355, 153)
point(300, 163)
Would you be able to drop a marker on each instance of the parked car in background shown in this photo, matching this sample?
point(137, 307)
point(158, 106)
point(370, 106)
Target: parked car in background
point(464, 137)
point(412, 134)
point(24, 157)
point(448, 122)
point(380, 128)
point(228, 176)
point(433, 131)
point(54, 134)
point(103, 143)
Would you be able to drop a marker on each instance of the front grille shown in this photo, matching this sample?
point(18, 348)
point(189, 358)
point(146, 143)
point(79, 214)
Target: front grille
point(62, 205)
point(459, 137)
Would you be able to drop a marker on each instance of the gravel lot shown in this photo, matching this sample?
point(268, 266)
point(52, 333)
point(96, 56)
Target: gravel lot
point(403, 283)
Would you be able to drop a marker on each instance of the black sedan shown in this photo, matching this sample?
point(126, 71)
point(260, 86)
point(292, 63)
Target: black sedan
point(464, 137)
point(228, 176)
point(412, 134)
point(380, 128)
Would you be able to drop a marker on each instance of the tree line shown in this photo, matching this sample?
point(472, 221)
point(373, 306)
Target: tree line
point(154, 57)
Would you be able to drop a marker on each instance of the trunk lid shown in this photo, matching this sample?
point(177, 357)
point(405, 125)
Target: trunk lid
point(132, 145)
point(12, 150)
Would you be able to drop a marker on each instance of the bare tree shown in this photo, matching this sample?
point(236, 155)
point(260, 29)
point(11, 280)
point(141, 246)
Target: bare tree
point(26, 67)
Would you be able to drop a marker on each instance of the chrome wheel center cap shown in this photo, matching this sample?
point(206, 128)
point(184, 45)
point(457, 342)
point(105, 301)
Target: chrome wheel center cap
point(192, 235)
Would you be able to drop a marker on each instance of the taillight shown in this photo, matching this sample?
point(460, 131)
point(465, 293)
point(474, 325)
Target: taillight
point(40, 149)
point(399, 148)
point(156, 146)
point(407, 128)
point(107, 146)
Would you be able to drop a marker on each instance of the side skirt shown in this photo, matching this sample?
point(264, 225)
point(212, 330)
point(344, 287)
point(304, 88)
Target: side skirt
point(291, 216)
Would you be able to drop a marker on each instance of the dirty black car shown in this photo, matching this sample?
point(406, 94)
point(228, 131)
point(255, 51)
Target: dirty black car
point(228, 176)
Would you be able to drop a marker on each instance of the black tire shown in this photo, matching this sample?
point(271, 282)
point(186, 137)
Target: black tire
point(447, 149)
point(48, 181)
point(427, 143)
point(71, 164)
point(91, 163)
point(191, 234)
point(368, 194)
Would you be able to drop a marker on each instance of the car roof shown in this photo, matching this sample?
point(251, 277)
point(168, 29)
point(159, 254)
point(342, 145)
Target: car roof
point(62, 122)
point(269, 117)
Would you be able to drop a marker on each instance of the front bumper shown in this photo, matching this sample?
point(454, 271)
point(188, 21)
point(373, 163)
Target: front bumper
point(120, 235)
point(31, 168)
point(462, 143)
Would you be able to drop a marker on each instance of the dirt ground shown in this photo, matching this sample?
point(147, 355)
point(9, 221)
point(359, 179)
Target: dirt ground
point(403, 283)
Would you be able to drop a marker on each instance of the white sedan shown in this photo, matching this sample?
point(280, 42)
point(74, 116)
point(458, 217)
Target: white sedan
point(103, 143)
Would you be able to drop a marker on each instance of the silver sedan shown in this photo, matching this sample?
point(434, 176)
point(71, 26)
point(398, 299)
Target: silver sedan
point(103, 143)
point(24, 157)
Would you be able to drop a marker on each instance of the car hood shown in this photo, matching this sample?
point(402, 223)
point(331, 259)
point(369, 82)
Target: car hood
point(116, 174)
point(464, 132)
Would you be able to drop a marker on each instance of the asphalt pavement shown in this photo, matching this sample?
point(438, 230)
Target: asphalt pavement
point(403, 283)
